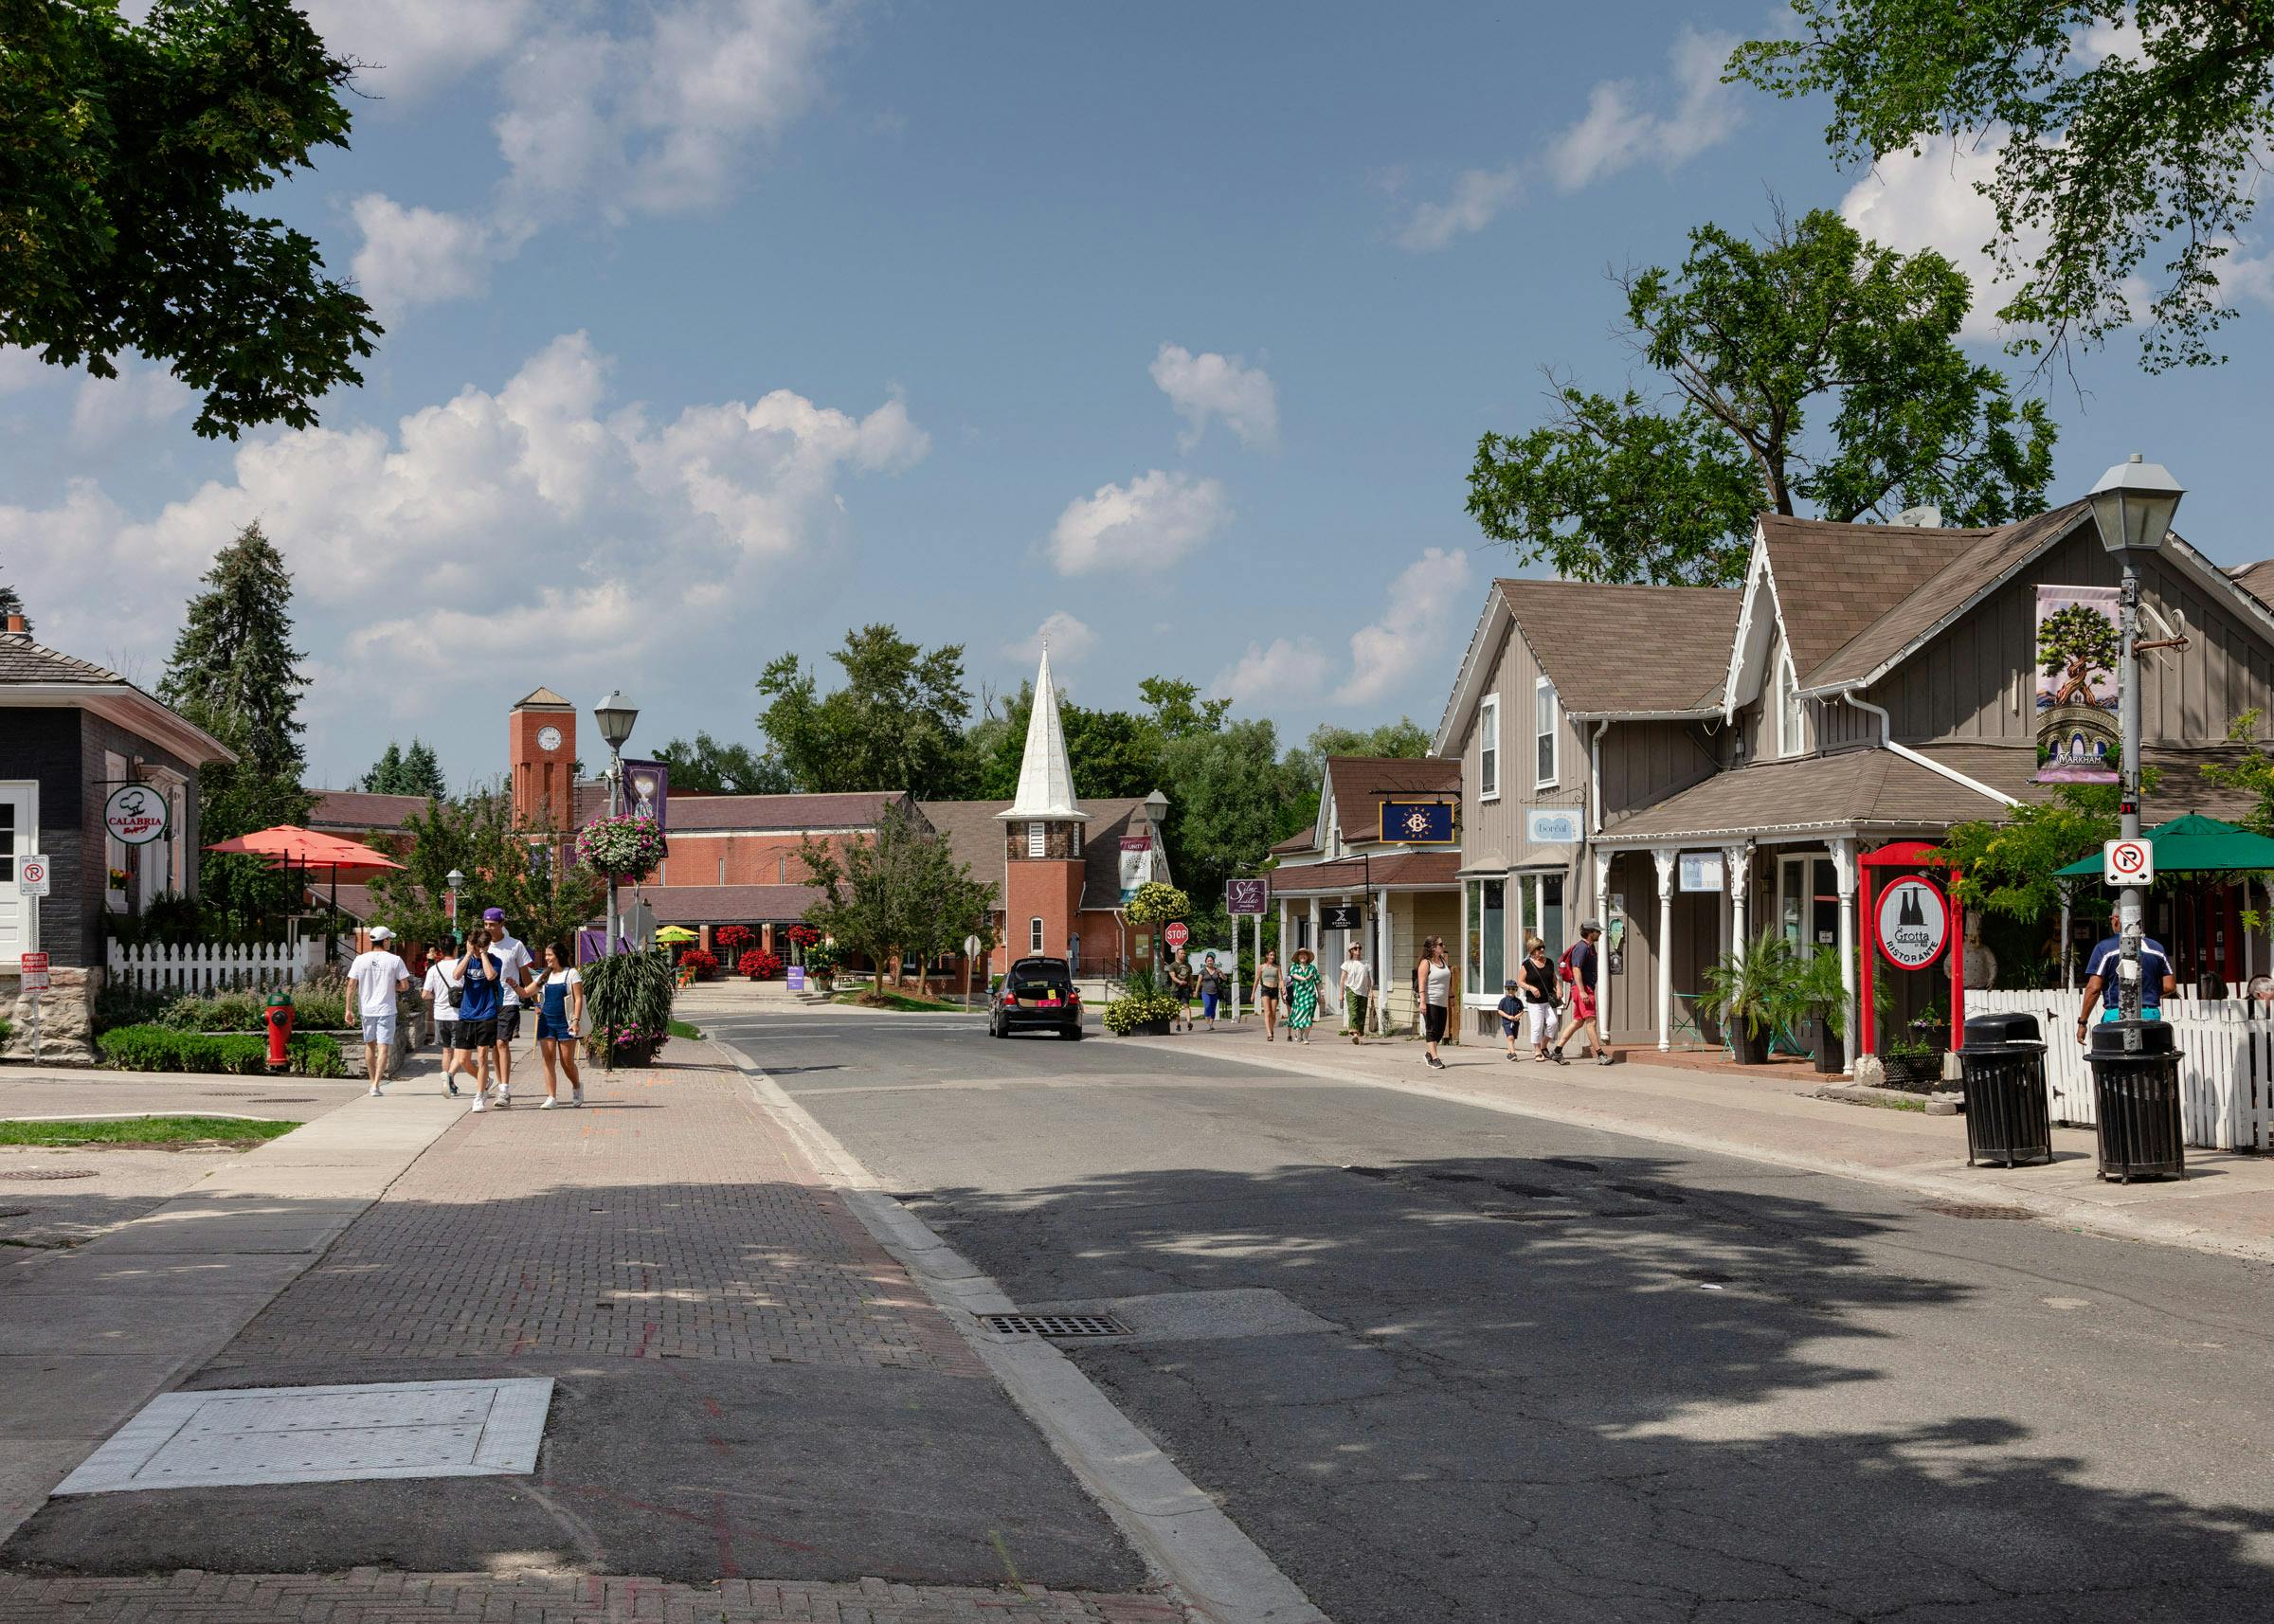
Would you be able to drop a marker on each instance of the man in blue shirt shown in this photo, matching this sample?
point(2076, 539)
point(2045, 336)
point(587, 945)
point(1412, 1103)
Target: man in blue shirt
point(2104, 970)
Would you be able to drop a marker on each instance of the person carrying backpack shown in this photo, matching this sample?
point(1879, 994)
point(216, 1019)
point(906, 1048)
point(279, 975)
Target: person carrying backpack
point(1578, 971)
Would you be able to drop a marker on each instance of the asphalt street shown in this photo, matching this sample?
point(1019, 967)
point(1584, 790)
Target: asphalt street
point(1451, 1364)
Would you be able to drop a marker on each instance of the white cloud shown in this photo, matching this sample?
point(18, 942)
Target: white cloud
point(23, 368)
point(1477, 197)
point(1618, 131)
point(1067, 639)
point(105, 410)
point(1412, 630)
point(421, 256)
point(1211, 386)
point(1284, 673)
point(503, 514)
point(1927, 199)
point(408, 48)
point(1153, 520)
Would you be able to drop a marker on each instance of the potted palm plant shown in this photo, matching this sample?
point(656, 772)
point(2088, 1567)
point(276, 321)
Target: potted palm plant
point(1752, 986)
point(1820, 995)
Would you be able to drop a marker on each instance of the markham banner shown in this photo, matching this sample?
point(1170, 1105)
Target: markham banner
point(2077, 649)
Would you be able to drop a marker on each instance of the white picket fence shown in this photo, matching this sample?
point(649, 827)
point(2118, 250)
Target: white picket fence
point(2226, 1078)
point(212, 967)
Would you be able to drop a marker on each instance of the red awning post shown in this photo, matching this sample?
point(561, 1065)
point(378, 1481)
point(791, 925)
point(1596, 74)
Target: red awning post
point(1868, 948)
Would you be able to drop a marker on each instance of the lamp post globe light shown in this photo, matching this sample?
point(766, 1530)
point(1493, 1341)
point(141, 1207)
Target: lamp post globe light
point(615, 716)
point(2132, 508)
point(455, 879)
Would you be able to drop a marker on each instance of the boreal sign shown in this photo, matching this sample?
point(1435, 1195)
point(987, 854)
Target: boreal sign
point(1912, 924)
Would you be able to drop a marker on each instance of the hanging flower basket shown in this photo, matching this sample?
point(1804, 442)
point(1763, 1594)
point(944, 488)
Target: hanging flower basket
point(624, 847)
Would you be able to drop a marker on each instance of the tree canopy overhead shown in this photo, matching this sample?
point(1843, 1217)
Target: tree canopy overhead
point(2125, 131)
point(724, 769)
point(897, 723)
point(1808, 370)
point(126, 144)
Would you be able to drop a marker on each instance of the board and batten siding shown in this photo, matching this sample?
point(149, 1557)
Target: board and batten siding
point(1645, 762)
point(1492, 831)
point(1977, 680)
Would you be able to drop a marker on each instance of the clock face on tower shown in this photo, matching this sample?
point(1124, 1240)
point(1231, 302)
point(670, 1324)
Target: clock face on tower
point(548, 738)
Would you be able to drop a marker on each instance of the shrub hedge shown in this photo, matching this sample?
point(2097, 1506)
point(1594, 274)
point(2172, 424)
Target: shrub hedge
point(164, 1049)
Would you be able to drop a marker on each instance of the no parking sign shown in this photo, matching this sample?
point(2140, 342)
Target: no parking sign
point(2127, 862)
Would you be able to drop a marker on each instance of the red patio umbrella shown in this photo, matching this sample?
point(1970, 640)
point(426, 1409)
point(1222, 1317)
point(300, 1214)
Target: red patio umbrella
point(290, 846)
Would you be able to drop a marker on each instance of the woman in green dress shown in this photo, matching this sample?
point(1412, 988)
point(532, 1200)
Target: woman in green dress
point(1301, 996)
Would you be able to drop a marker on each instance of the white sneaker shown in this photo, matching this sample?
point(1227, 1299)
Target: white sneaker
point(577, 1096)
point(505, 1097)
point(375, 1094)
point(477, 1105)
point(549, 1103)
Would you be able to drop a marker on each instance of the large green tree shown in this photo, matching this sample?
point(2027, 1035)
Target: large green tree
point(896, 897)
point(724, 769)
point(1810, 370)
point(2125, 131)
point(1305, 766)
point(123, 149)
point(399, 772)
point(234, 673)
point(896, 723)
point(544, 901)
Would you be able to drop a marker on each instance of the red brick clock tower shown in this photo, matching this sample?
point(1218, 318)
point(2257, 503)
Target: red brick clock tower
point(540, 737)
point(1042, 838)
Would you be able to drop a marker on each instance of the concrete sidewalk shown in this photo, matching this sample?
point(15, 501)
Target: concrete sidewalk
point(2224, 1204)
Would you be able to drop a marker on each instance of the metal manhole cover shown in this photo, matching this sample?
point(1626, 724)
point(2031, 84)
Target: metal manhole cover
point(1055, 1325)
point(1959, 1209)
point(47, 1173)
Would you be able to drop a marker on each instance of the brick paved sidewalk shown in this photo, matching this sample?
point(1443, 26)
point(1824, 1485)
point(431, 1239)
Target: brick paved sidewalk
point(745, 1384)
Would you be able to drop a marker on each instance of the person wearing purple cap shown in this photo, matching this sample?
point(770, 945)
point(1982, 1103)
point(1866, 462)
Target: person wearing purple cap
point(513, 969)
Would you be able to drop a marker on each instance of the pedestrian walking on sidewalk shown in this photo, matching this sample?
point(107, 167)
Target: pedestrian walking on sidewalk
point(1357, 990)
point(1180, 989)
point(1578, 971)
point(1435, 980)
point(1536, 980)
point(377, 976)
point(1511, 1014)
point(1267, 993)
point(440, 990)
point(479, 999)
point(513, 969)
point(559, 995)
point(1302, 997)
point(1211, 983)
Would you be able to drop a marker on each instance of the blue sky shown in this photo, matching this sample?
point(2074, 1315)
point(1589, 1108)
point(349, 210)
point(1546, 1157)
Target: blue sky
point(718, 326)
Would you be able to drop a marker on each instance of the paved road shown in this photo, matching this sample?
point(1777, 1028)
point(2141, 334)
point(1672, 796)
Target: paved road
point(1567, 1376)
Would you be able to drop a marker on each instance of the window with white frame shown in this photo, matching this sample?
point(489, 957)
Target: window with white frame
point(1546, 714)
point(1033, 931)
point(1488, 749)
point(1036, 840)
point(1792, 729)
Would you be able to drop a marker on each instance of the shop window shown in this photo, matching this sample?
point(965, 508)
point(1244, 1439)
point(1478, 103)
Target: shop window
point(1545, 715)
point(1488, 749)
point(1488, 937)
point(1034, 930)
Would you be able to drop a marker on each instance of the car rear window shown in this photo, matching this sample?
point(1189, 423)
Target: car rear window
point(1039, 978)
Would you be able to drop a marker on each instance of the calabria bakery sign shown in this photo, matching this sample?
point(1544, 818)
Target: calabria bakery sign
point(134, 814)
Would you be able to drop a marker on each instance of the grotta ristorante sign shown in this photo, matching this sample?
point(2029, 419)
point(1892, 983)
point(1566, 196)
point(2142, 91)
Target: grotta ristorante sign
point(1912, 923)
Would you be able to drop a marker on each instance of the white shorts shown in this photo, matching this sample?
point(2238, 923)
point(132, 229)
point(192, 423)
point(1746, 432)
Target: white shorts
point(1542, 1022)
point(379, 1028)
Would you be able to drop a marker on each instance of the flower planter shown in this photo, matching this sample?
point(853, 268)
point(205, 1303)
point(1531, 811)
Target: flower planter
point(1749, 1047)
point(1918, 1073)
point(1148, 1028)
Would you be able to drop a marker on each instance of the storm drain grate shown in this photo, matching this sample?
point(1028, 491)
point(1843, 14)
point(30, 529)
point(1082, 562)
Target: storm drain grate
point(49, 1173)
point(1055, 1325)
point(1961, 1210)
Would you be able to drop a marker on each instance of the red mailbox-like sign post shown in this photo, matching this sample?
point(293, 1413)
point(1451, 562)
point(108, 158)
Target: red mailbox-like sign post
point(1910, 921)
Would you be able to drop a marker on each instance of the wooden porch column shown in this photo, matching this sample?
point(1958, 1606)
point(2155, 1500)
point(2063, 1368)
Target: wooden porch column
point(1843, 868)
point(1733, 867)
point(1664, 858)
point(1602, 958)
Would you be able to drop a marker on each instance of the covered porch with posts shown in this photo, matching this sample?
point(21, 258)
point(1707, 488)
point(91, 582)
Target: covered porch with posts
point(1385, 905)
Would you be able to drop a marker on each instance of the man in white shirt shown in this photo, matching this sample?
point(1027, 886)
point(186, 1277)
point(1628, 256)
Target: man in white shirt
point(377, 976)
point(1358, 989)
point(513, 969)
point(440, 989)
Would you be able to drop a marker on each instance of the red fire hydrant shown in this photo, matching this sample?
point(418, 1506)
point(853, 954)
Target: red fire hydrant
point(278, 1012)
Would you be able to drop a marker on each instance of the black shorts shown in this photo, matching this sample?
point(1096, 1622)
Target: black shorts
point(446, 1032)
point(508, 1023)
point(475, 1035)
point(1437, 1022)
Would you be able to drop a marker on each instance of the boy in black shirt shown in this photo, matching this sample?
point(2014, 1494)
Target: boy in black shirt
point(1512, 1016)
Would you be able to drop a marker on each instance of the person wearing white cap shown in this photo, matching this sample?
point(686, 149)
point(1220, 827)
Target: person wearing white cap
point(377, 976)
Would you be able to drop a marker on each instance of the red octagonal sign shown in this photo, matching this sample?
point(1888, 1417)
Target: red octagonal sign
point(1176, 935)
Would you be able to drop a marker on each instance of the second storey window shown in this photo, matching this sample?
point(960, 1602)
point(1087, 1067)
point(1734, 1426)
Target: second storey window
point(1487, 749)
point(1034, 930)
point(1545, 714)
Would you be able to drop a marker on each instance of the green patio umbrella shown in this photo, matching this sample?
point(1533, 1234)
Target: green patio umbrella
point(2193, 844)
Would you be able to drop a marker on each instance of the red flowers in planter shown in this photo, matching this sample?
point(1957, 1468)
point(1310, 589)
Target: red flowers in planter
point(759, 965)
point(732, 939)
point(803, 935)
point(700, 962)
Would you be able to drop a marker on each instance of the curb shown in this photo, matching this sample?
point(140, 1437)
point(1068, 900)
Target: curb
point(2088, 1216)
point(1221, 1575)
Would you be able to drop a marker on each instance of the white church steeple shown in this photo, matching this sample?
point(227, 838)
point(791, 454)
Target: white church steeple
point(1046, 776)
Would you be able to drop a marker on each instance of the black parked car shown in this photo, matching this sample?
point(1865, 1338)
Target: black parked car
point(1037, 996)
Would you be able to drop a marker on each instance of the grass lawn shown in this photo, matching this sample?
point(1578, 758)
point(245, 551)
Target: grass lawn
point(145, 1130)
point(867, 999)
point(683, 1029)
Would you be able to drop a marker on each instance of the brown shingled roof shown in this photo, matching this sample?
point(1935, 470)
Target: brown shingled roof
point(24, 660)
point(1397, 871)
point(1870, 788)
point(2256, 579)
point(1363, 783)
point(974, 834)
point(1613, 648)
point(355, 809)
point(1833, 579)
point(1987, 558)
point(690, 813)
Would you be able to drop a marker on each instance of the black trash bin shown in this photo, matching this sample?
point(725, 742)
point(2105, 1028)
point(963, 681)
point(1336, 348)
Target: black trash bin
point(2135, 1095)
point(2009, 1117)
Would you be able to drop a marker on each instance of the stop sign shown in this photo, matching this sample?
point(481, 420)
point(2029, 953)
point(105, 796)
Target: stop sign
point(1176, 935)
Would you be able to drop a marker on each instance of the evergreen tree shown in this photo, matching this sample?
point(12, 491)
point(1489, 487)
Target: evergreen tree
point(11, 605)
point(232, 673)
point(385, 772)
point(400, 771)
